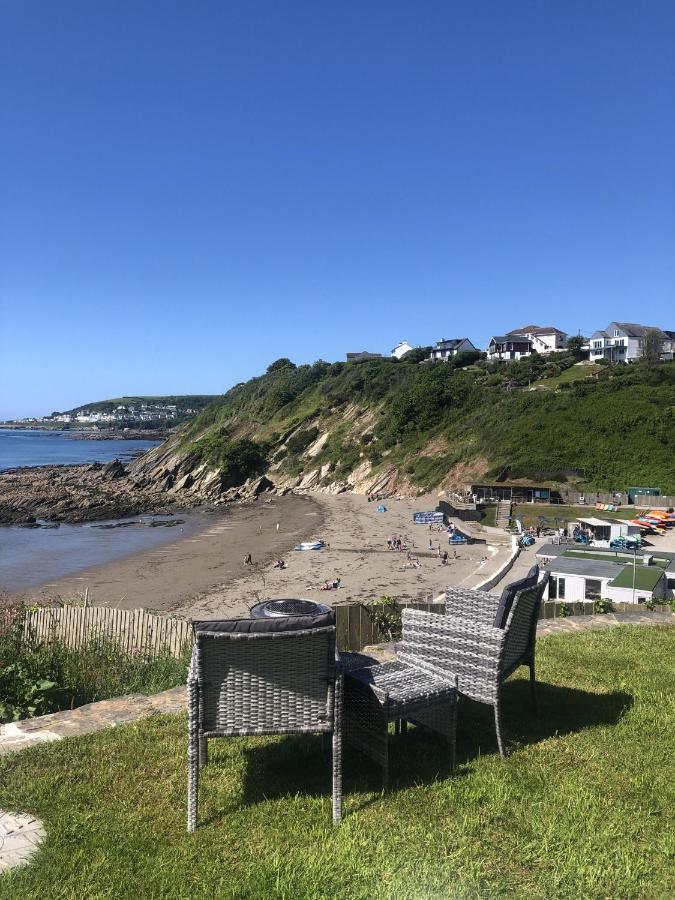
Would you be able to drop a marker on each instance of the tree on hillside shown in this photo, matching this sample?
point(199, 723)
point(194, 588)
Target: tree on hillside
point(650, 346)
point(280, 364)
point(417, 354)
point(574, 345)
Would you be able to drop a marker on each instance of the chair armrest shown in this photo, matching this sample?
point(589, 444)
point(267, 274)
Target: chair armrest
point(478, 605)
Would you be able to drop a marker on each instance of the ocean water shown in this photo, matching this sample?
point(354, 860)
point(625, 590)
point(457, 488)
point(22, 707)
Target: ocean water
point(21, 447)
point(33, 556)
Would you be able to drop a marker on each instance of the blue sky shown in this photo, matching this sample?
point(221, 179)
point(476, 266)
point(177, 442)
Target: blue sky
point(189, 190)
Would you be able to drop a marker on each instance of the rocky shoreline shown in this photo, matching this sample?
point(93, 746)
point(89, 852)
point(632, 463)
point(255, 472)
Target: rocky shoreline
point(80, 493)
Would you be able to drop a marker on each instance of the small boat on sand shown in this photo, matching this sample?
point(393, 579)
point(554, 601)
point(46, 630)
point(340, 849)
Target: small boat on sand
point(310, 545)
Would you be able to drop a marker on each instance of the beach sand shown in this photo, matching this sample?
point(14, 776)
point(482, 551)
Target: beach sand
point(204, 575)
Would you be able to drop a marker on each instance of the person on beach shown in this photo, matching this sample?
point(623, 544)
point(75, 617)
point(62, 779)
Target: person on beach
point(445, 557)
point(248, 560)
point(431, 545)
point(277, 526)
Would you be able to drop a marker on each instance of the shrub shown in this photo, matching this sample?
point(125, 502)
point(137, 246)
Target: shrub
point(385, 614)
point(302, 439)
point(39, 677)
point(602, 606)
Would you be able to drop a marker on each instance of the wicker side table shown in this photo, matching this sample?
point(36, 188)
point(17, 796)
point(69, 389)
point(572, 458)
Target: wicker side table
point(395, 692)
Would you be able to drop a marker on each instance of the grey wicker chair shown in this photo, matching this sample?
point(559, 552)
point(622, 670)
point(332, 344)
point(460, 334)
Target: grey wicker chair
point(467, 643)
point(263, 676)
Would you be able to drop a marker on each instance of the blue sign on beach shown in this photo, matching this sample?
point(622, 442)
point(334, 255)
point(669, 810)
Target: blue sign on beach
point(428, 518)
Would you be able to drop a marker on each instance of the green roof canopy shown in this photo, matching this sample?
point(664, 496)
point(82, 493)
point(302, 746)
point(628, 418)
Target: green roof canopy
point(646, 578)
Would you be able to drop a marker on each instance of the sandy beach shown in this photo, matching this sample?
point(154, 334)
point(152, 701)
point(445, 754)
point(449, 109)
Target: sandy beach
point(203, 574)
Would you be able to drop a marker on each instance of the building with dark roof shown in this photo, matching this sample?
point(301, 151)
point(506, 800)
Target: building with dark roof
point(446, 348)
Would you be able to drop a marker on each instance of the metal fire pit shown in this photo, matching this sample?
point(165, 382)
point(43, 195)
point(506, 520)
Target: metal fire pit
point(271, 609)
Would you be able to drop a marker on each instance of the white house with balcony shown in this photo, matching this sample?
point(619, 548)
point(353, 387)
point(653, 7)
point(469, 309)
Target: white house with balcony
point(623, 342)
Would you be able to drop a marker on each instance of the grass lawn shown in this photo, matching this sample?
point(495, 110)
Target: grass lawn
point(575, 373)
point(529, 513)
point(581, 808)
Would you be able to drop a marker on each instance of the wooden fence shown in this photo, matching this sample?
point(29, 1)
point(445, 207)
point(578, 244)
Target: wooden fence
point(139, 632)
point(355, 630)
point(135, 631)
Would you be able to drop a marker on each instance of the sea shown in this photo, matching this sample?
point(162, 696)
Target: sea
point(32, 557)
point(24, 447)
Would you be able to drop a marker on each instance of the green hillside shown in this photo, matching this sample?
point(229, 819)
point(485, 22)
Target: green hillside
point(437, 422)
point(182, 402)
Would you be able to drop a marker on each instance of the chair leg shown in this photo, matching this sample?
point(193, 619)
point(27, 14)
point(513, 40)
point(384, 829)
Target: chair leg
point(203, 751)
point(337, 752)
point(498, 727)
point(533, 689)
point(193, 777)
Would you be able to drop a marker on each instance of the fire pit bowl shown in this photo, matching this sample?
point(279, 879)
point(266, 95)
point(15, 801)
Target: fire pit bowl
point(270, 609)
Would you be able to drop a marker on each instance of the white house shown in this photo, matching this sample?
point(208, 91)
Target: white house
point(543, 338)
point(446, 349)
point(581, 576)
point(401, 349)
point(623, 341)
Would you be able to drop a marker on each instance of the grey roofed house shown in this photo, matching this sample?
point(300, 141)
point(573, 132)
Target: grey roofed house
point(587, 568)
point(622, 342)
point(537, 329)
point(446, 348)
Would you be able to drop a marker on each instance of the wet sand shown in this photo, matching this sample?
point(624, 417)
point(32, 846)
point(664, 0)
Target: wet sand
point(203, 575)
point(176, 574)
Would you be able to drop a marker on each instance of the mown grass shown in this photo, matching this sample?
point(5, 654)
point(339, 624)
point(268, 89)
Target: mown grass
point(581, 808)
point(576, 373)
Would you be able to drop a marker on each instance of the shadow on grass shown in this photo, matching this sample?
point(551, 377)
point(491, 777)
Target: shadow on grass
point(296, 764)
point(562, 711)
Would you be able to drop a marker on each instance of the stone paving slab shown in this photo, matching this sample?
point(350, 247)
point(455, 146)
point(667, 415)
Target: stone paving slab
point(86, 719)
point(20, 837)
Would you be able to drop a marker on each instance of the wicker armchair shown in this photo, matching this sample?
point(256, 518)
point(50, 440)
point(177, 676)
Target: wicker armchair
point(467, 643)
point(263, 676)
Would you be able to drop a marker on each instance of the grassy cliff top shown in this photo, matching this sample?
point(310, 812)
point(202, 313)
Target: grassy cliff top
point(440, 423)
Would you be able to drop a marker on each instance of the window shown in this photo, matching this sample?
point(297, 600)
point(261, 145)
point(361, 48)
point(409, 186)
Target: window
point(593, 589)
point(556, 588)
point(616, 333)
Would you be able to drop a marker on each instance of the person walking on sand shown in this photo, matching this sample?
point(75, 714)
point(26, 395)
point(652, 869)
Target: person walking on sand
point(248, 560)
point(277, 526)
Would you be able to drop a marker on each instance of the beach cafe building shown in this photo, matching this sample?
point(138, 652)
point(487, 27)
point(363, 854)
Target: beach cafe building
point(603, 531)
point(578, 576)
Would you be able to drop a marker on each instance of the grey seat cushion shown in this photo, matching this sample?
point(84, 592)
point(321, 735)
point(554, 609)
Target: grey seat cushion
point(509, 595)
point(263, 626)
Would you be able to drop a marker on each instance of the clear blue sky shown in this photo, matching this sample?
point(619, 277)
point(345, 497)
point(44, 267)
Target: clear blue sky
point(189, 190)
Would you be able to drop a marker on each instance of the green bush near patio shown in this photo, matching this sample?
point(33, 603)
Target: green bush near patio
point(581, 808)
point(39, 677)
